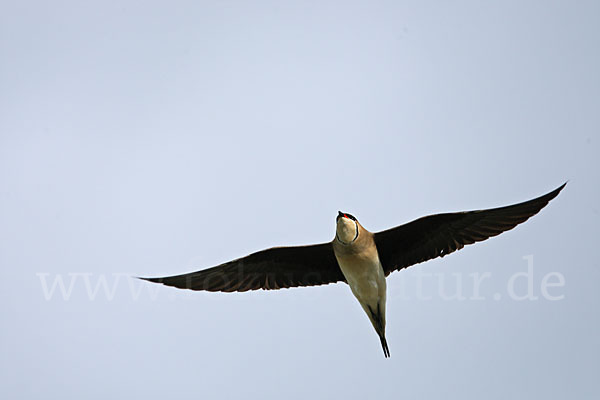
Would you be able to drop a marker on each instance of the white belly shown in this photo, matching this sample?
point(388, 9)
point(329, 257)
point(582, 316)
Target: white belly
point(366, 279)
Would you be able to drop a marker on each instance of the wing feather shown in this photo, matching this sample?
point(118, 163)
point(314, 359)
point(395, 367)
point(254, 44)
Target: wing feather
point(274, 268)
point(441, 234)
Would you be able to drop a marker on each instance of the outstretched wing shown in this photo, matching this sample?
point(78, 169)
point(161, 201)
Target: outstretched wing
point(274, 268)
point(437, 235)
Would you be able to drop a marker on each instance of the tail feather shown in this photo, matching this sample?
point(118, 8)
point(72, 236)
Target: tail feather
point(386, 350)
point(378, 323)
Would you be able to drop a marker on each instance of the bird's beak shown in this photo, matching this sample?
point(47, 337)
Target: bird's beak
point(340, 214)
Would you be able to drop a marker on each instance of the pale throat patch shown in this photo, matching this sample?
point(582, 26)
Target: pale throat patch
point(346, 230)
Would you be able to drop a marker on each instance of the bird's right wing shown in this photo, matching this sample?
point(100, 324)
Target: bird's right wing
point(274, 268)
point(437, 235)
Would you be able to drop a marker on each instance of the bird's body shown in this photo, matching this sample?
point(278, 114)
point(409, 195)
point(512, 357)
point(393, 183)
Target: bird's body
point(359, 261)
point(360, 258)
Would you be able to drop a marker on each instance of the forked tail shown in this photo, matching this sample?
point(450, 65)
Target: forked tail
point(377, 319)
point(386, 351)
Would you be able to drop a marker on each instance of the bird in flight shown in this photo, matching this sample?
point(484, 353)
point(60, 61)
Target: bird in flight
point(360, 258)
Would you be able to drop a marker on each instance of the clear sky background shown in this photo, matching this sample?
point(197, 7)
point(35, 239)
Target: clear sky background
point(156, 138)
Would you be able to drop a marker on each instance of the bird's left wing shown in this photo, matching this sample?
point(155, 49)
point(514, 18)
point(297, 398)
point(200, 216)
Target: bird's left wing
point(437, 235)
point(274, 268)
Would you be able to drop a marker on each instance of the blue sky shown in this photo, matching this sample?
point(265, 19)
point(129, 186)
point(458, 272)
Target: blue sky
point(146, 138)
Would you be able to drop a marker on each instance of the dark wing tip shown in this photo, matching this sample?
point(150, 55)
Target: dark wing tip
point(546, 198)
point(556, 191)
point(156, 280)
point(534, 205)
point(179, 281)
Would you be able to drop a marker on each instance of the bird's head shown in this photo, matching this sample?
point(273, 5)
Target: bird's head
point(347, 229)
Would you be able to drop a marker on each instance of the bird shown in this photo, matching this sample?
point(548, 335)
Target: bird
point(360, 258)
